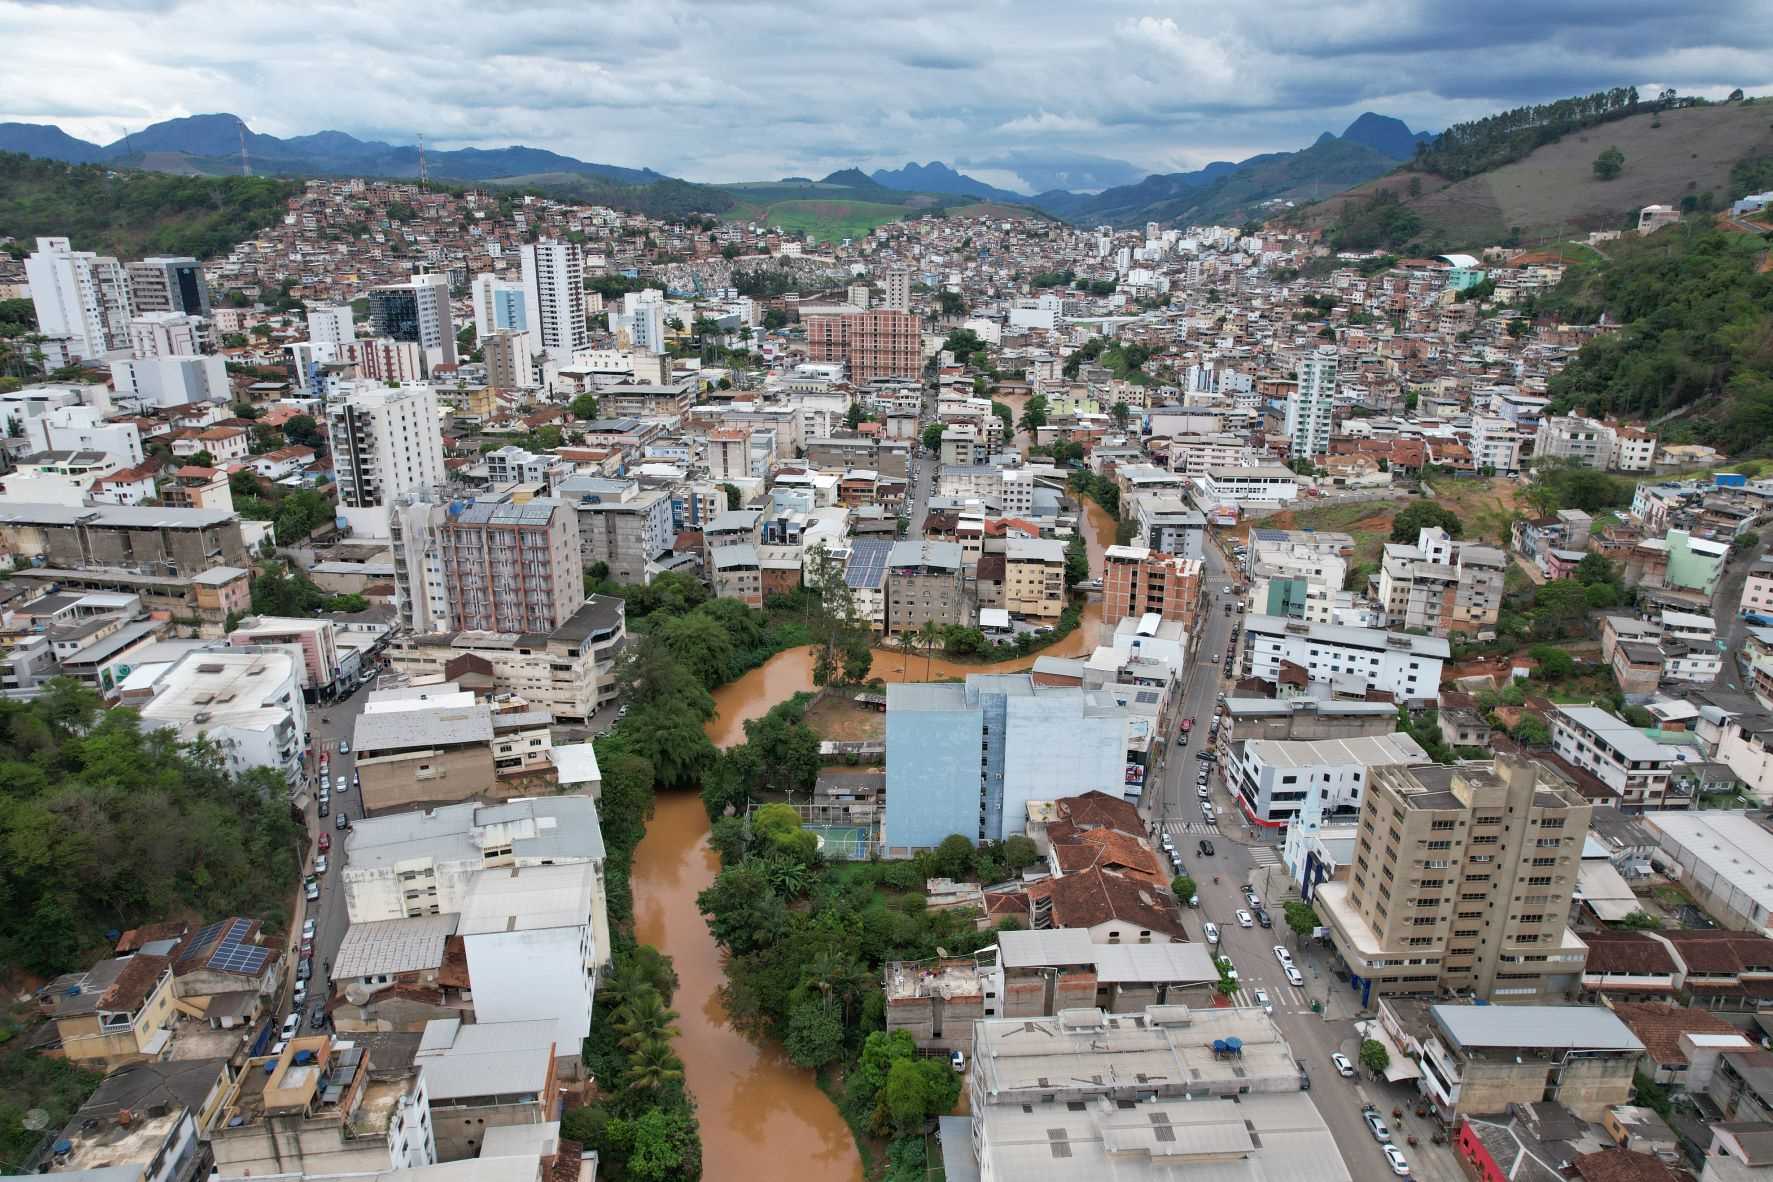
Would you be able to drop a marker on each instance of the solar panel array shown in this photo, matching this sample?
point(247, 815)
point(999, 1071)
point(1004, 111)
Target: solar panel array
point(868, 559)
point(234, 954)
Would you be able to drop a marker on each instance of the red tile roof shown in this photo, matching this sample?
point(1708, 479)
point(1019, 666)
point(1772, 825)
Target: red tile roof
point(1659, 1026)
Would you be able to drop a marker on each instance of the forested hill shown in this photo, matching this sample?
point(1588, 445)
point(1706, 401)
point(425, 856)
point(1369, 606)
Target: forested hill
point(1696, 309)
point(134, 214)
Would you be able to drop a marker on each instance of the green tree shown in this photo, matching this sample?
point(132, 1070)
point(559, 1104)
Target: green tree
point(1374, 1057)
point(1531, 731)
point(1182, 887)
point(584, 407)
point(775, 319)
point(1034, 413)
point(702, 646)
point(1609, 164)
point(1554, 663)
point(1301, 917)
point(1641, 921)
point(815, 1034)
point(304, 430)
point(744, 912)
point(1421, 515)
point(932, 437)
point(915, 1090)
point(1559, 605)
point(1596, 568)
point(732, 494)
point(663, 1146)
point(955, 858)
point(1003, 412)
point(1121, 413)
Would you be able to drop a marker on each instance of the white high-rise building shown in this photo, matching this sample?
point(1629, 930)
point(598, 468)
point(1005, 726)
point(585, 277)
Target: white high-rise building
point(644, 312)
point(897, 286)
point(499, 304)
point(1308, 409)
point(165, 334)
point(332, 324)
point(554, 298)
point(80, 296)
point(387, 443)
point(144, 383)
point(169, 284)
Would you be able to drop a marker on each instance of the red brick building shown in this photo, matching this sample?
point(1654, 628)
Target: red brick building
point(1137, 580)
point(877, 344)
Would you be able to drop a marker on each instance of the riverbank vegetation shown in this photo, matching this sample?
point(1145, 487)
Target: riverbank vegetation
point(807, 941)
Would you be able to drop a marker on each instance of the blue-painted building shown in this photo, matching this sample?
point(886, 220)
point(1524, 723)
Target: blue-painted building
point(968, 758)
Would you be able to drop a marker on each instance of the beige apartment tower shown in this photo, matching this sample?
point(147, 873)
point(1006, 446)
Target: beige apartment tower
point(1461, 882)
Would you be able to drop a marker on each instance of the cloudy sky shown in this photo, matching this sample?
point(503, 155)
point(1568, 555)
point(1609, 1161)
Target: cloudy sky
point(1029, 94)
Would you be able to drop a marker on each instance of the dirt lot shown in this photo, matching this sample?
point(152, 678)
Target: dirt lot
point(839, 719)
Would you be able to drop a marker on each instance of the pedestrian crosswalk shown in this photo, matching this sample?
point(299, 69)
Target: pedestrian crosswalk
point(1265, 855)
point(1179, 828)
point(1282, 997)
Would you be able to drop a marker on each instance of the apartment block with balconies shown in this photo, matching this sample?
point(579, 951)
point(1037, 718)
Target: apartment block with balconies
point(1461, 881)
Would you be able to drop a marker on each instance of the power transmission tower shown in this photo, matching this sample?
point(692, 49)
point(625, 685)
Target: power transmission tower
point(424, 178)
point(245, 160)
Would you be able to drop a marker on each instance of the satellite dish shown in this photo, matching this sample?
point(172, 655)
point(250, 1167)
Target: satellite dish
point(35, 1120)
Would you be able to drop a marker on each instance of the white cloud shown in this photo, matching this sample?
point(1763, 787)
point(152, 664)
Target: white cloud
point(715, 90)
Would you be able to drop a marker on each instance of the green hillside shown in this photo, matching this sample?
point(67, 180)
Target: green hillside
point(132, 214)
point(662, 199)
point(830, 220)
point(1551, 191)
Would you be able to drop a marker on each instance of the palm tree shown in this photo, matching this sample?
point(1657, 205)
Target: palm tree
point(929, 632)
point(643, 1019)
point(653, 1066)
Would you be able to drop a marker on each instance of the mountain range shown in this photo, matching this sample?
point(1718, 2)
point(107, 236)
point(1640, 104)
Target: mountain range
point(1369, 147)
point(210, 144)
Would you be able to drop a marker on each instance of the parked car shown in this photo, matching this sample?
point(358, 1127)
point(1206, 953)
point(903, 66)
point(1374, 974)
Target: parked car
point(1211, 931)
point(1376, 1126)
point(342, 822)
point(1206, 810)
point(325, 806)
point(292, 1026)
point(1263, 919)
point(1343, 1067)
point(344, 747)
point(317, 1019)
point(313, 891)
point(1295, 977)
point(299, 994)
point(1204, 792)
point(1244, 920)
point(1281, 954)
point(1261, 999)
point(1255, 900)
point(958, 1060)
point(1399, 1166)
point(325, 842)
point(308, 928)
point(320, 864)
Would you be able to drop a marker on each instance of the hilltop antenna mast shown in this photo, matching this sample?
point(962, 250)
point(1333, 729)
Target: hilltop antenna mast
point(245, 160)
point(424, 177)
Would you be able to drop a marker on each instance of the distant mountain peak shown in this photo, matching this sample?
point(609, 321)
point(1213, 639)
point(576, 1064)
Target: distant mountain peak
point(852, 177)
point(1383, 134)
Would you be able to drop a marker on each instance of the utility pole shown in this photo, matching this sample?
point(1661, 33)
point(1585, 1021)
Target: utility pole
point(245, 161)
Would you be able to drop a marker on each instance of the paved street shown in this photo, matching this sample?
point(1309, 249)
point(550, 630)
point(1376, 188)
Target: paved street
point(1724, 604)
point(1238, 850)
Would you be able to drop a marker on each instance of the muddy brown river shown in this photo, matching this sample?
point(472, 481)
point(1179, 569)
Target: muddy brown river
point(763, 1117)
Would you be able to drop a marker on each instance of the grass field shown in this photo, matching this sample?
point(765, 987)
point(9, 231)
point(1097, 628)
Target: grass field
point(828, 221)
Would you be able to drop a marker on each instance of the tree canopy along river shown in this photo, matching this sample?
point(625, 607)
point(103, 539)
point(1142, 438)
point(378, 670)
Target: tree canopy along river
point(761, 1116)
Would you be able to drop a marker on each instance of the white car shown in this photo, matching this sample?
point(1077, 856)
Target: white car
point(1295, 977)
point(1395, 1156)
point(292, 1026)
point(1344, 1068)
point(1281, 954)
point(308, 929)
point(1212, 932)
point(1204, 792)
point(319, 866)
point(1376, 1126)
point(300, 994)
point(1261, 996)
point(1206, 810)
point(1254, 899)
point(1244, 920)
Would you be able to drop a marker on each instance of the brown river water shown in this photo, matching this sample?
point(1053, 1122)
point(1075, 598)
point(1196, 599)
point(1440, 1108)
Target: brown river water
point(763, 1117)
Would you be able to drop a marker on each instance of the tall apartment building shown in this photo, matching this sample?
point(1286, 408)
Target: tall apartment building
point(509, 356)
point(421, 597)
point(331, 324)
point(512, 568)
point(498, 304)
point(1441, 585)
point(554, 296)
point(1495, 444)
point(1461, 880)
point(925, 582)
point(968, 758)
point(643, 318)
point(896, 288)
point(1034, 577)
point(621, 524)
point(1309, 405)
point(882, 343)
point(386, 444)
point(1300, 583)
point(169, 284)
point(416, 311)
point(80, 296)
point(1137, 580)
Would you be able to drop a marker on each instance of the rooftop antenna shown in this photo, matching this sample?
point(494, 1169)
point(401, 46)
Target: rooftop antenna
point(424, 178)
point(245, 161)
